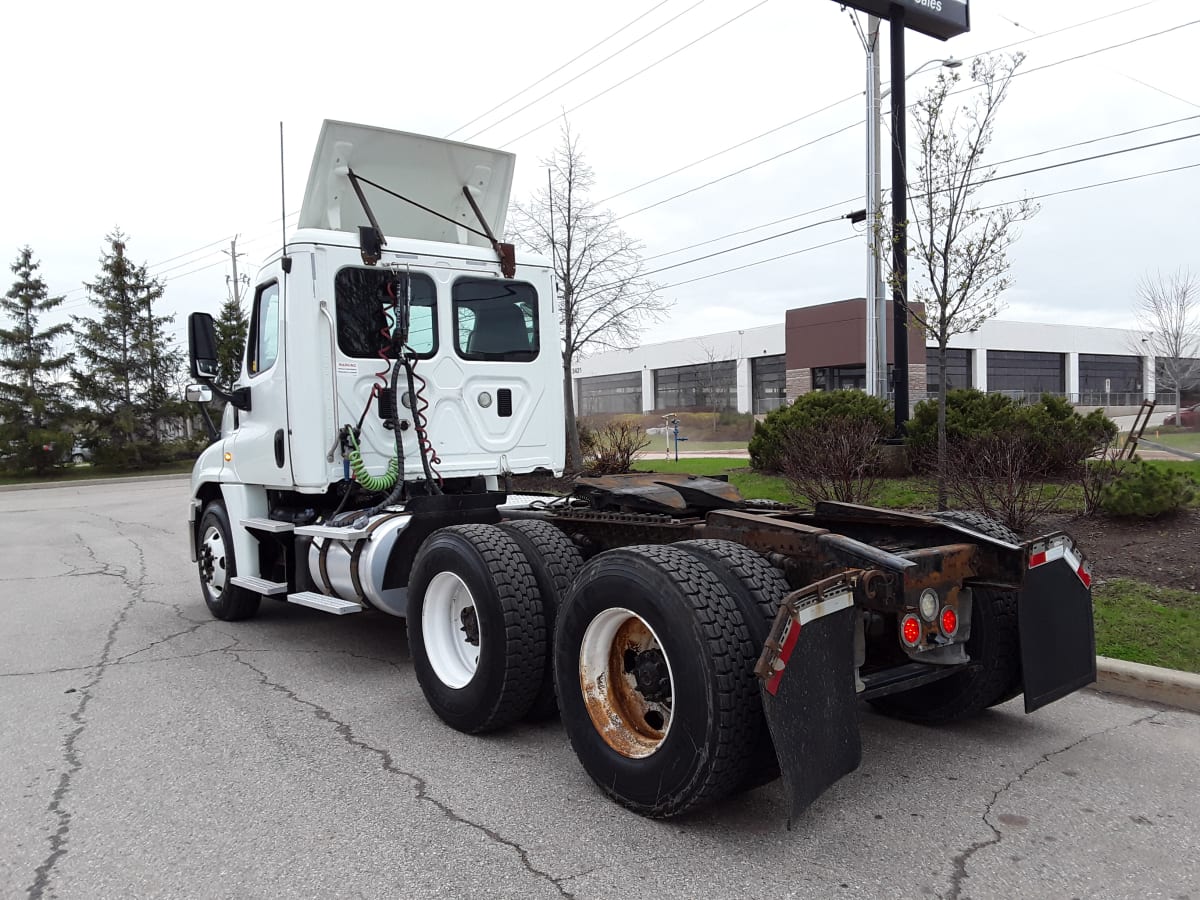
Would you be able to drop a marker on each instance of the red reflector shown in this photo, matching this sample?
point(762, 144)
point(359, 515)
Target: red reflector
point(949, 621)
point(1084, 577)
point(1037, 559)
point(910, 629)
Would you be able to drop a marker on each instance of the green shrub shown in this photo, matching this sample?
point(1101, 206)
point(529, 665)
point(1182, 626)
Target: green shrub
point(1060, 435)
point(1147, 492)
point(812, 411)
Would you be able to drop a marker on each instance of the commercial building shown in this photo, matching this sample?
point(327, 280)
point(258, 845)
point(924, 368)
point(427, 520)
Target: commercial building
point(823, 348)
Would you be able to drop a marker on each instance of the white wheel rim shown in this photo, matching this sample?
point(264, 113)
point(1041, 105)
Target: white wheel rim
point(451, 629)
point(213, 551)
point(628, 706)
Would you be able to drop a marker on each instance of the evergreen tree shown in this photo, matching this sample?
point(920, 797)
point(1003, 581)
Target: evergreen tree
point(33, 412)
point(231, 338)
point(125, 366)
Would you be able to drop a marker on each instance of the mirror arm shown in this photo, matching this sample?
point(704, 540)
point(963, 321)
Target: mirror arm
point(213, 434)
point(239, 397)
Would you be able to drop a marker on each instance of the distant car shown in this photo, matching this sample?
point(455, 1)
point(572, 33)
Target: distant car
point(80, 454)
point(1189, 417)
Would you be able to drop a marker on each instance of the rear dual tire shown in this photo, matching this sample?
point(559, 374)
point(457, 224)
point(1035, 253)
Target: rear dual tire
point(654, 663)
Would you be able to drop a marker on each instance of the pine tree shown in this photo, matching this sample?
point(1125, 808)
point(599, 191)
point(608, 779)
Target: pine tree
point(33, 413)
point(231, 339)
point(125, 364)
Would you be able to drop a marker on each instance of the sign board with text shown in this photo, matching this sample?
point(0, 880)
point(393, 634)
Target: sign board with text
point(941, 19)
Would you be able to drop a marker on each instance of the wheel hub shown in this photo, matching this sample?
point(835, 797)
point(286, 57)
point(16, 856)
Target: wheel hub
point(650, 674)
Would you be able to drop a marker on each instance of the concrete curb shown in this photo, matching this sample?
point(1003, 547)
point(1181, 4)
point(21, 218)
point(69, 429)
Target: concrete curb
point(1166, 686)
point(84, 482)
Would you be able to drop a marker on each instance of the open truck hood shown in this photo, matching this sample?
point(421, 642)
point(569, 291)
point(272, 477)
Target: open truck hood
point(427, 170)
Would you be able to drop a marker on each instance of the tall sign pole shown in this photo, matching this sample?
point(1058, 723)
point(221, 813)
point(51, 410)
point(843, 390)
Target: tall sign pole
point(941, 19)
point(876, 303)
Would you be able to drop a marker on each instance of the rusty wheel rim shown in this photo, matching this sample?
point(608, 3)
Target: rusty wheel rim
point(627, 683)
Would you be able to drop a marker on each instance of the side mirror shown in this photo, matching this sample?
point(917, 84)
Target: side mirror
point(198, 393)
point(202, 346)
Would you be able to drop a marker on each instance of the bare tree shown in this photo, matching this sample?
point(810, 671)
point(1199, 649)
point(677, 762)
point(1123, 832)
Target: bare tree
point(1167, 311)
point(604, 301)
point(958, 247)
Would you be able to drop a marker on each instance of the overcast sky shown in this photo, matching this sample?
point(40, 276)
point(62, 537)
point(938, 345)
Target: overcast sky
point(163, 119)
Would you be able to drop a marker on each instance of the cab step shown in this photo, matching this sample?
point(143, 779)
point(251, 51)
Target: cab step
point(324, 603)
point(270, 526)
point(259, 585)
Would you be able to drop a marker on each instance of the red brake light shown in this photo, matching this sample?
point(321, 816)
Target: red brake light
point(949, 621)
point(910, 630)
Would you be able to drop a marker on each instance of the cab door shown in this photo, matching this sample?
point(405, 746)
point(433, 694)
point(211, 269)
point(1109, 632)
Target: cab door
point(260, 441)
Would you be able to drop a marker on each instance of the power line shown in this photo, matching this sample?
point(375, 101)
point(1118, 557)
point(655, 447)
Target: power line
point(1088, 187)
point(1096, 140)
point(579, 75)
point(712, 156)
point(860, 121)
point(688, 262)
point(744, 169)
point(640, 71)
point(752, 228)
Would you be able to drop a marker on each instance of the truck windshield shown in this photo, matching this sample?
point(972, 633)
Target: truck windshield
point(365, 312)
point(495, 320)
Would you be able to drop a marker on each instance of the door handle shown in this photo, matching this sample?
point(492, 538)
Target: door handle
point(279, 448)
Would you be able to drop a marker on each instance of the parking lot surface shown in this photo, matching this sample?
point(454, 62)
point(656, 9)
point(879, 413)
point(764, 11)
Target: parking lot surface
point(150, 751)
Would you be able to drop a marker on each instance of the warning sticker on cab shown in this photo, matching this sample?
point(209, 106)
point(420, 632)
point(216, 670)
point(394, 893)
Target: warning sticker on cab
point(347, 368)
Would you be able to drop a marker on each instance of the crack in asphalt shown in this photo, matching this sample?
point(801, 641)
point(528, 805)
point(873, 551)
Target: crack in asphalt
point(71, 754)
point(346, 733)
point(960, 860)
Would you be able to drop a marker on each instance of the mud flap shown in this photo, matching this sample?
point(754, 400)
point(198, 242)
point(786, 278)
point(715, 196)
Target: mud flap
point(1054, 610)
point(807, 683)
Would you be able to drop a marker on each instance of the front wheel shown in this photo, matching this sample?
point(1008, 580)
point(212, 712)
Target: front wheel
point(218, 566)
point(475, 627)
point(654, 667)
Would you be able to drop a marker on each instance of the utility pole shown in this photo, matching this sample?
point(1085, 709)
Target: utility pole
point(235, 285)
point(876, 343)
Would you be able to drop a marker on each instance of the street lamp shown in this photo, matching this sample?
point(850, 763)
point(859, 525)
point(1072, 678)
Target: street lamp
point(877, 383)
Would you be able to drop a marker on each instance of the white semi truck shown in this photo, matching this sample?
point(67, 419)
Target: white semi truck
point(403, 364)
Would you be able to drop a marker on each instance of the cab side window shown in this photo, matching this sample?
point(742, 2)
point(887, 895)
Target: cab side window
point(262, 344)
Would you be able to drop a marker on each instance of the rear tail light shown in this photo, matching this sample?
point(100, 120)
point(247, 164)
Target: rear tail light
point(949, 621)
point(910, 630)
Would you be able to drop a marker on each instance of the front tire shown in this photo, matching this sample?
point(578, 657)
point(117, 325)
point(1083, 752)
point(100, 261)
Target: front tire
point(654, 666)
point(218, 566)
point(475, 627)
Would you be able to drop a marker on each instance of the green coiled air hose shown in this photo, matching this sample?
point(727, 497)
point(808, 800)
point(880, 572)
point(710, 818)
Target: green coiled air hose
point(371, 482)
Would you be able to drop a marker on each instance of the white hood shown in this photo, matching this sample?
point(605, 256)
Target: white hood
point(428, 170)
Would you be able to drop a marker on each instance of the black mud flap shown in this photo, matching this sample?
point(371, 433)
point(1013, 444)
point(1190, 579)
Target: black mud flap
point(1054, 610)
point(806, 677)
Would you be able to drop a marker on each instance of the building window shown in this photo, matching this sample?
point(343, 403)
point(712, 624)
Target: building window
point(1021, 374)
point(1185, 371)
point(610, 394)
point(958, 369)
point(768, 379)
point(1103, 376)
point(840, 378)
point(704, 386)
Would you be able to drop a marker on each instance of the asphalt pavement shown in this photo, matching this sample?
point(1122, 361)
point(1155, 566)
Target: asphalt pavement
point(150, 751)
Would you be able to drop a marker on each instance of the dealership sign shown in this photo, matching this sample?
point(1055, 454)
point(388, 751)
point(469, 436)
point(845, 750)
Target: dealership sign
point(941, 19)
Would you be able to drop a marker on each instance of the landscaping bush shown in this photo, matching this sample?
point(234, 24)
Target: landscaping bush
point(1056, 431)
point(837, 459)
point(1147, 492)
point(795, 424)
point(614, 447)
point(1002, 476)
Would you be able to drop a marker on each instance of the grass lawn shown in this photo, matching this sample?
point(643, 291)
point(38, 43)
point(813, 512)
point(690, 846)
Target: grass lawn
point(1181, 440)
point(1146, 624)
point(84, 472)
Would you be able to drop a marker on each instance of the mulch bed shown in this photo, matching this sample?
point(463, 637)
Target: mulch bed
point(1165, 552)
